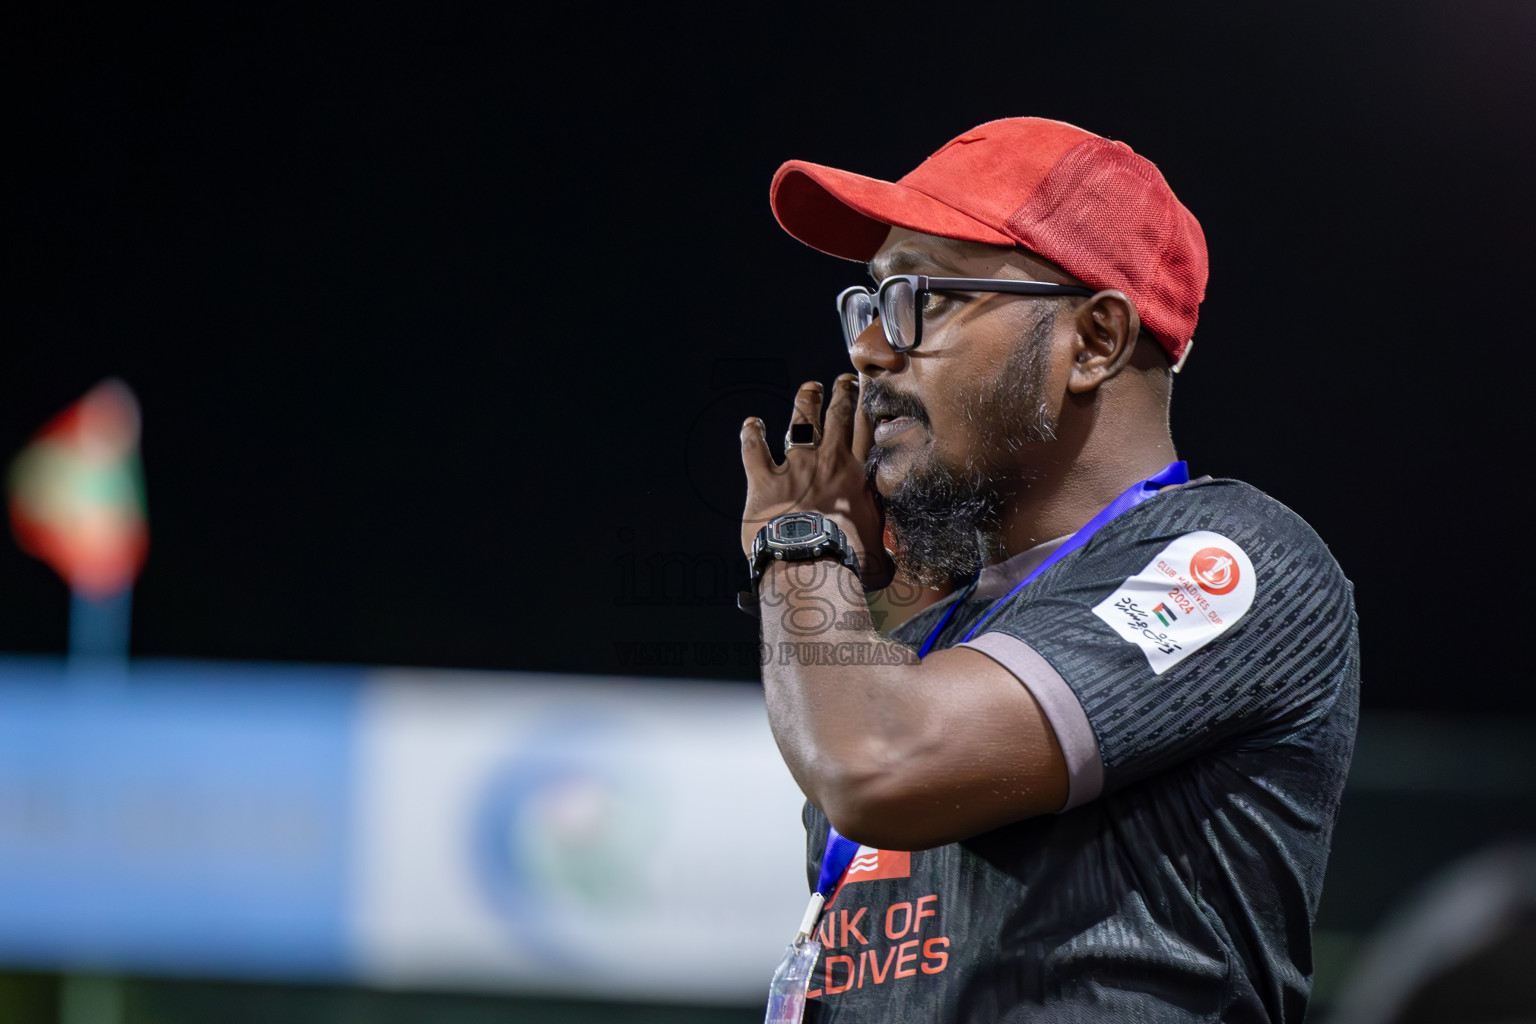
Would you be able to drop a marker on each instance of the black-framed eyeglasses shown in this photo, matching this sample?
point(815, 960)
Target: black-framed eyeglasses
point(901, 298)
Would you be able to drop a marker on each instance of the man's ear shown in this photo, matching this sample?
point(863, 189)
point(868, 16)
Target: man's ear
point(1104, 336)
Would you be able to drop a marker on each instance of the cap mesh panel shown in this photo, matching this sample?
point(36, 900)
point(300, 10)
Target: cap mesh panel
point(1108, 218)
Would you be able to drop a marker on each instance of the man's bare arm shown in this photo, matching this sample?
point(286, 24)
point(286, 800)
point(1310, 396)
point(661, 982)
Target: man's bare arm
point(899, 754)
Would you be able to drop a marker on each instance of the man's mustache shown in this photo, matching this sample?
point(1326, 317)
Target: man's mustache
point(881, 401)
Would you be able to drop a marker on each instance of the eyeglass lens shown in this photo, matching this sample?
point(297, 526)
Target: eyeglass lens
point(897, 306)
point(898, 311)
point(858, 313)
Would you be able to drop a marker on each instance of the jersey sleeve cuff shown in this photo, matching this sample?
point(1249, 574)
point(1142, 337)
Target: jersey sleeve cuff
point(1079, 745)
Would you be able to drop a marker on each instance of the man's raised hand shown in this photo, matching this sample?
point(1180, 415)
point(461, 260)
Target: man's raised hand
point(829, 478)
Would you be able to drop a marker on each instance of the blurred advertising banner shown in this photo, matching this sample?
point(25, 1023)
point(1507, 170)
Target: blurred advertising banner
point(574, 836)
point(529, 833)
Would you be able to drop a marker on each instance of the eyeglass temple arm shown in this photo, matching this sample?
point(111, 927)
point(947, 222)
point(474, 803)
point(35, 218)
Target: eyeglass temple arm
point(989, 284)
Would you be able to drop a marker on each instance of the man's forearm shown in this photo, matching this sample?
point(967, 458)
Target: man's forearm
point(899, 754)
point(841, 698)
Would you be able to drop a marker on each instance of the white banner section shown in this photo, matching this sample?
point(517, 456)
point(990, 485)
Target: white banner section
point(572, 835)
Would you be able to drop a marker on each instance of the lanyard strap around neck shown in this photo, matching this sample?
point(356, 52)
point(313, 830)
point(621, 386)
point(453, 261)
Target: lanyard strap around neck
point(1173, 473)
point(835, 859)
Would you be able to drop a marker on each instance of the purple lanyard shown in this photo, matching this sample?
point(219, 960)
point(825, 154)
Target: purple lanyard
point(1173, 473)
point(834, 861)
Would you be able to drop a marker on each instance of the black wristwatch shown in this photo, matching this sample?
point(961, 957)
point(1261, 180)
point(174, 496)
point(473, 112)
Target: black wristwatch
point(794, 537)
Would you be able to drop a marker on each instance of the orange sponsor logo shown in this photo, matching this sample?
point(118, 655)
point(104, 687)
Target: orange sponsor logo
point(870, 865)
point(1215, 570)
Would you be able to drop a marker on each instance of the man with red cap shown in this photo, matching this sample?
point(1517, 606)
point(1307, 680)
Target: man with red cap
point(1098, 780)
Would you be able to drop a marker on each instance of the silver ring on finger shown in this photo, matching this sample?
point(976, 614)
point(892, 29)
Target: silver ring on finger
point(802, 435)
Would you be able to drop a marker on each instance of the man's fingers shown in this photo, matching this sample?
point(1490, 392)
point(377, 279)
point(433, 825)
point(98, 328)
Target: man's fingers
point(755, 455)
point(807, 413)
point(841, 408)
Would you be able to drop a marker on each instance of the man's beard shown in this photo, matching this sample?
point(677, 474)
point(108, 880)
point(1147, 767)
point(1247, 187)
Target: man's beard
point(946, 521)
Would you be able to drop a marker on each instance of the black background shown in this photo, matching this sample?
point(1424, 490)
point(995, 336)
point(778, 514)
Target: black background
point(438, 319)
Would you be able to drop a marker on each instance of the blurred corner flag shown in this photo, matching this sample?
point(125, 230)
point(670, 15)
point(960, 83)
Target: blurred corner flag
point(77, 503)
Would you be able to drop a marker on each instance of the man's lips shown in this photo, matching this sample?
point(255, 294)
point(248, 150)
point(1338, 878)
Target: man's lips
point(890, 412)
point(886, 429)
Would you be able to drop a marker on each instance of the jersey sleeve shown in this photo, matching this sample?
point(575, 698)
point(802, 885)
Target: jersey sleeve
point(1209, 616)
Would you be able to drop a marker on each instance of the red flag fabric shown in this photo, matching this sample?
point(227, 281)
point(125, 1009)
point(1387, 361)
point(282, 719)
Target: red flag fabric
point(77, 493)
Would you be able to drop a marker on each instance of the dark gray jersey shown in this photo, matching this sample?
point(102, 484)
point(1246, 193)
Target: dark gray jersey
point(1198, 659)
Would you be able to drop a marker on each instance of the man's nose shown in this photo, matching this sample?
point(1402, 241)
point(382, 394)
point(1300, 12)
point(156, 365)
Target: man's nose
point(871, 351)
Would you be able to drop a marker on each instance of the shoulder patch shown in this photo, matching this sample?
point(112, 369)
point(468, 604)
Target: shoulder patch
point(1188, 595)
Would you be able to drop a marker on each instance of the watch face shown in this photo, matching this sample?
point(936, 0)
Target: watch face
point(796, 530)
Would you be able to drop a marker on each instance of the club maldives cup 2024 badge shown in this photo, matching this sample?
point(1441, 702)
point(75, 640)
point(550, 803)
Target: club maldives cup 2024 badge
point(1189, 594)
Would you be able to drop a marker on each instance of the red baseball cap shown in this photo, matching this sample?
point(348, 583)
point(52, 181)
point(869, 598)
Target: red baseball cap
point(1092, 206)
